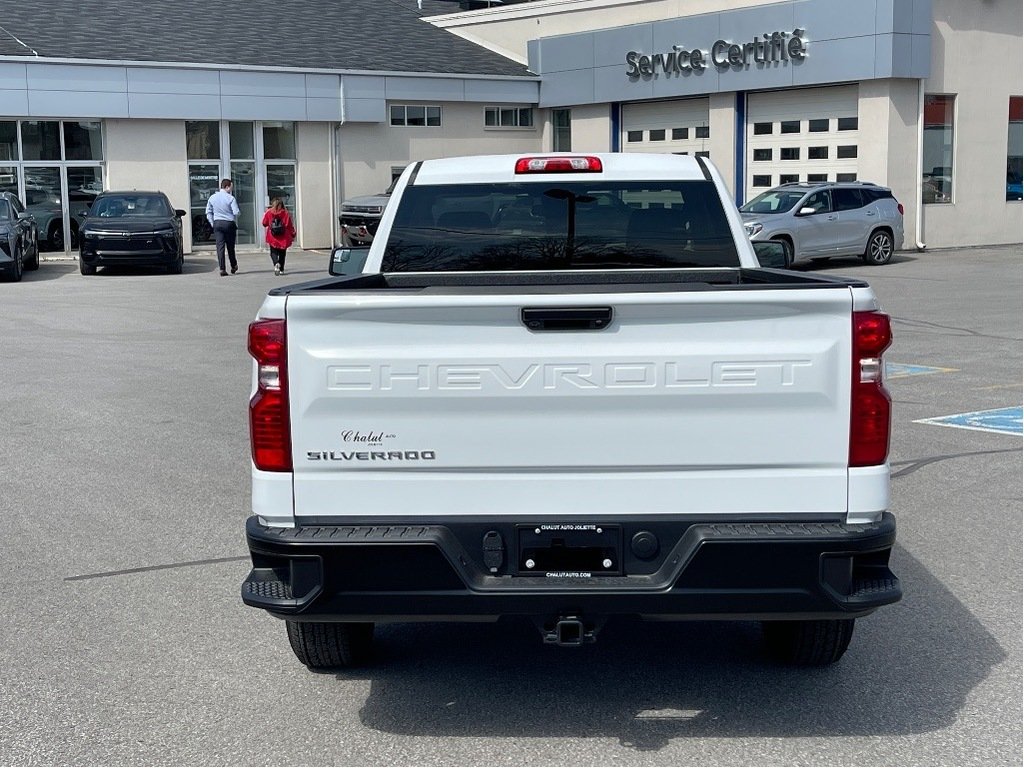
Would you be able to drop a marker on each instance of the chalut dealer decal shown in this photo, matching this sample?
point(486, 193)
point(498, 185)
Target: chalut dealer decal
point(359, 445)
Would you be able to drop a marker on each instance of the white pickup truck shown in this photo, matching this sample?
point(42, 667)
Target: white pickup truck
point(564, 389)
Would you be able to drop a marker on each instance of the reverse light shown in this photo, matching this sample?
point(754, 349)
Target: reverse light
point(269, 423)
point(587, 164)
point(870, 406)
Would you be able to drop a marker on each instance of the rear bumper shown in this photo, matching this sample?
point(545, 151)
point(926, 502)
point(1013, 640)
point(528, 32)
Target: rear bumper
point(410, 572)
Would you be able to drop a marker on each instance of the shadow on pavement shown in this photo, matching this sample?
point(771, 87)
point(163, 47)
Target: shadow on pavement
point(853, 264)
point(50, 270)
point(909, 670)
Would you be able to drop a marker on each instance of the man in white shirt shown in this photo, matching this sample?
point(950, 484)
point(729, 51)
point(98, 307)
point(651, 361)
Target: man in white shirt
point(222, 212)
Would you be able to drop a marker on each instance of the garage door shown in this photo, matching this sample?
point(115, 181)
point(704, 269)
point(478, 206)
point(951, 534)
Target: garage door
point(801, 135)
point(679, 126)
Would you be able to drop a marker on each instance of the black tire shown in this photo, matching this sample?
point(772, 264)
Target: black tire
point(33, 265)
point(55, 237)
point(879, 249)
point(84, 268)
point(176, 267)
point(323, 646)
point(812, 643)
point(17, 269)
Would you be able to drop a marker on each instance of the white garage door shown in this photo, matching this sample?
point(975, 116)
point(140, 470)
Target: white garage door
point(801, 135)
point(680, 127)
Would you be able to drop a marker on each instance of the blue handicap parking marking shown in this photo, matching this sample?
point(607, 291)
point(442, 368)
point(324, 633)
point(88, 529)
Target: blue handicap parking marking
point(1007, 421)
point(902, 370)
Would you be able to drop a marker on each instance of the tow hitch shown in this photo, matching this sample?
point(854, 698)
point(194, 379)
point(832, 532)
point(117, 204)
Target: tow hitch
point(568, 631)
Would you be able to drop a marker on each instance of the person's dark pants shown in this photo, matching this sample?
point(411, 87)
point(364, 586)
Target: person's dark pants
point(277, 256)
point(225, 232)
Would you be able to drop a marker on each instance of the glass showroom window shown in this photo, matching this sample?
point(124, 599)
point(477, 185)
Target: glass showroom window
point(55, 167)
point(1014, 142)
point(202, 144)
point(937, 180)
point(242, 152)
point(9, 174)
point(279, 164)
point(258, 157)
point(561, 119)
point(508, 117)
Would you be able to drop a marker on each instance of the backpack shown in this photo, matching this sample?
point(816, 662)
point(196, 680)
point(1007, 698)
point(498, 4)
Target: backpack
point(277, 226)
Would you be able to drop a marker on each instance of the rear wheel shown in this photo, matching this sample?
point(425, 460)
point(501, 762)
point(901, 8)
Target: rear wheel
point(812, 643)
point(880, 248)
point(322, 646)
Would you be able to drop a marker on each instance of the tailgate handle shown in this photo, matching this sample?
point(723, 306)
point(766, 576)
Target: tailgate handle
point(567, 318)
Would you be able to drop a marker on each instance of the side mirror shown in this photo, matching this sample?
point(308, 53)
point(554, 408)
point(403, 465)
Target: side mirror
point(84, 213)
point(347, 261)
point(179, 212)
point(806, 211)
point(774, 254)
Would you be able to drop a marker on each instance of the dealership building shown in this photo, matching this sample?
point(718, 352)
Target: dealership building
point(332, 100)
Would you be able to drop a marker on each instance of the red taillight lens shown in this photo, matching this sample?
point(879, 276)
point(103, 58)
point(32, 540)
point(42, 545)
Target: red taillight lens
point(269, 424)
point(870, 406)
point(899, 207)
point(586, 164)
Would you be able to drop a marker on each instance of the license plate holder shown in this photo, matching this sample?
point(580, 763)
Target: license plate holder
point(569, 550)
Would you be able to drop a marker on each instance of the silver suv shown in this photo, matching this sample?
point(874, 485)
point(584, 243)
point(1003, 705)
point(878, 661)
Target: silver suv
point(828, 219)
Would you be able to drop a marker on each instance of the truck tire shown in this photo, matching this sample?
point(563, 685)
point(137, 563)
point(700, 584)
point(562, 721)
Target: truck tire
point(813, 643)
point(322, 646)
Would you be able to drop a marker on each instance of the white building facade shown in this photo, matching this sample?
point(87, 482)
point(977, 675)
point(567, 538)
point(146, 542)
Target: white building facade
point(923, 96)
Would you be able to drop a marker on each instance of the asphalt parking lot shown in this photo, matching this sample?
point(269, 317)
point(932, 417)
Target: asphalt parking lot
point(125, 490)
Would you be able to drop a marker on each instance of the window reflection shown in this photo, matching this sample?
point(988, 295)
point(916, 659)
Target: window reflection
point(40, 140)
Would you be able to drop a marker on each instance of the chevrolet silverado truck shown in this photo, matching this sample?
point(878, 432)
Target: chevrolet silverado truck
point(563, 388)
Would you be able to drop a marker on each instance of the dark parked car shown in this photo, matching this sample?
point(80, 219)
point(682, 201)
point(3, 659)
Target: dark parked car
point(137, 229)
point(19, 238)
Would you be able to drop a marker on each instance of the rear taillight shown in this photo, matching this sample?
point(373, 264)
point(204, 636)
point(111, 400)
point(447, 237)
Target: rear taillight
point(899, 207)
point(585, 164)
point(870, 406)
point(269, 425)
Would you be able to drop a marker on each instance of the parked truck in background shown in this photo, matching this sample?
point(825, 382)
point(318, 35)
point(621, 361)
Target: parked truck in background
point(564, 389)
point(360, 217)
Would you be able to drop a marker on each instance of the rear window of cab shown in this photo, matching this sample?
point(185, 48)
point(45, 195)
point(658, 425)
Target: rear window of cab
point(559, 225)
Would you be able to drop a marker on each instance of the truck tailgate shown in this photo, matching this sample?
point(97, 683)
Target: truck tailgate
point(706, 402)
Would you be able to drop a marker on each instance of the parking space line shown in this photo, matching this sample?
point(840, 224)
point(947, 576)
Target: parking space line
point(903, 370)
